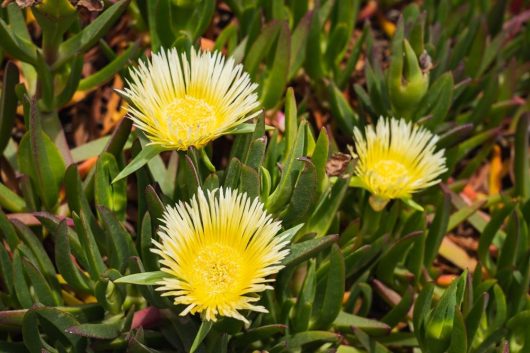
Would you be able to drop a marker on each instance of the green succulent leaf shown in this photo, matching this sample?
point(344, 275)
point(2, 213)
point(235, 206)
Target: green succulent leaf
point(106, 193)
point(305, 250)
point(304, 305)
point(110, 70)
point(332, 290)
point(8, 103)
point(304, 194)
point(243, 339)
point(291, 170)
point(145, 278)
point(18, 47)
point(298, 340)
point(147, 153)
point(346, 321)
point(40, 159)
point(72, 274)
point(205, 327)
point(88, 36)
point(98, 331)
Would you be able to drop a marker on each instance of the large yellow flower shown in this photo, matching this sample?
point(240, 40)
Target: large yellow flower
point(218, 251)
point(395, 160)
point(181, 103)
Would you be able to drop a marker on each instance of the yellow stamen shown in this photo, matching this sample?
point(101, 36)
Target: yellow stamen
point(217, 271)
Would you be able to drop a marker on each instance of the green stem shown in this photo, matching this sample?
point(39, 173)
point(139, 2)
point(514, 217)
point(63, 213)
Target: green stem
point(50, 46)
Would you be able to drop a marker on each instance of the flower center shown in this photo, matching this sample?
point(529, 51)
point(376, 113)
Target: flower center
point(216, 268)
point(189, 117)
point(388, 178)
point(389, 173)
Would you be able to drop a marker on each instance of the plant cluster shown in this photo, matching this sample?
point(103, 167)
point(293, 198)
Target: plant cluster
point(271, 176)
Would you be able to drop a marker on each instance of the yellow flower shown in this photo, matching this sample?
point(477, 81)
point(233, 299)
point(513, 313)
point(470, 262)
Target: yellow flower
point(181, 103)
point(218, 251)
point(395, 160)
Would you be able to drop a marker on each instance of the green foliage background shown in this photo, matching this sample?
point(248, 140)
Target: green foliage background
point(356, 280)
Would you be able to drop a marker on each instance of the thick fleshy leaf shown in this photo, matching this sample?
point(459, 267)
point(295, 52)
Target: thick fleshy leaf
point(147, 153)
point(437, 229)
point(10, 201)
point(112, 195)
point(259, 333)
point(8, 104)
point(246, 128)
point(20, 285)
point(304, 305)
point(298, 43)
point(18, 47)
point(145, 278)
point(290, 172)
point(95, 263)
point(98, 331)
point(307, 249)
point(437, 101)
point(88, 36)
point(341, 109)
point(439, 324)
point(120, 241)
point(41, 289)
point(52, 323)
point(459, 338)
point(40, 159)
point(201, 335)
point(112, 68)
point(274, 84)
point(304, 195)
point(333, 290)
point(326, 210)
point(389, 260)
point(399, 313)
point(296, 341)
point(72, 274)
point(346, 321)
point(37, 250)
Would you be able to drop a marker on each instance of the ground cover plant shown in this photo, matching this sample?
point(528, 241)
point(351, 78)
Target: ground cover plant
point(264, 176)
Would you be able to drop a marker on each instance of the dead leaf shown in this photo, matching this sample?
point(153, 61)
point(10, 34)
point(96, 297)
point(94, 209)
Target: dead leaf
point(496, 172)
point(85, 166)
point(458, 256)
point(337, 164)
point(27, 218)
point(27, 3)
point(445, 280)
point(90, 5)
point(388, 27)
point(368, 10)
point(207, 44)
point(425, 62)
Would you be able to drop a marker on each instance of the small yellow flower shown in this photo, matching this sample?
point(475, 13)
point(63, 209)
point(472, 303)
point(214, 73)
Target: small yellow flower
point(218, 251)
point(395, 160)
point(181, 103)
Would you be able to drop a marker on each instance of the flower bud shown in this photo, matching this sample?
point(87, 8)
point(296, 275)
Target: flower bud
point(407, 83)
